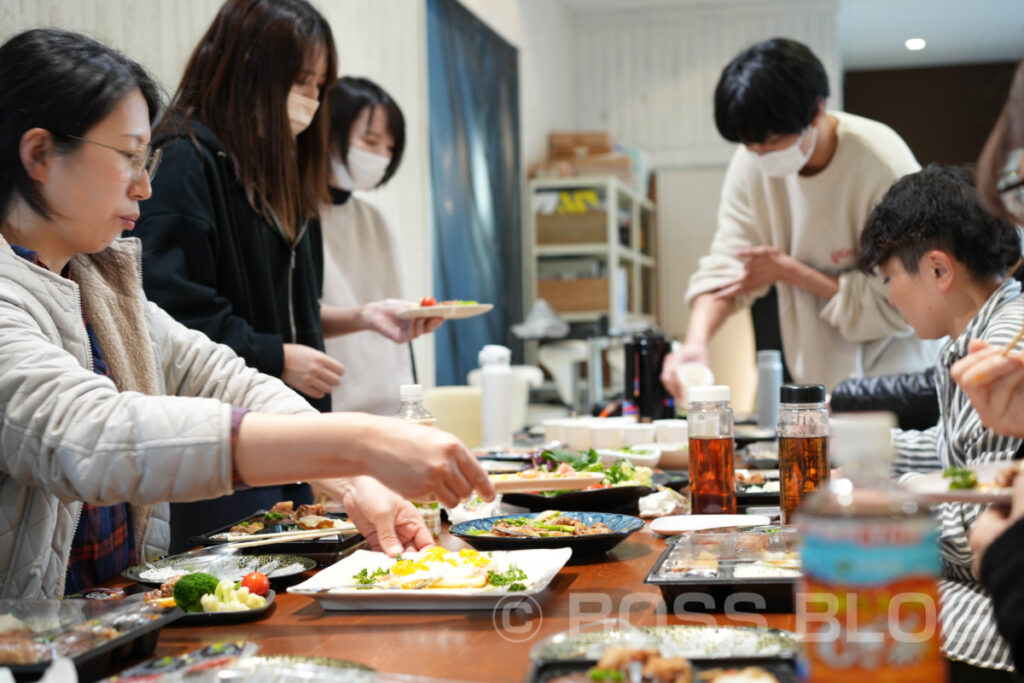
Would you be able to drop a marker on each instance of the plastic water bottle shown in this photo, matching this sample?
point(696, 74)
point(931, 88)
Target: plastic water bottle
point(496, 396)
point(412, 408)
point(769, 379)
point(868, 602)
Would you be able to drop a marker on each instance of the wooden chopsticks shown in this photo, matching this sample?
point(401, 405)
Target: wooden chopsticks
point(285, 536)
point(1009, 347)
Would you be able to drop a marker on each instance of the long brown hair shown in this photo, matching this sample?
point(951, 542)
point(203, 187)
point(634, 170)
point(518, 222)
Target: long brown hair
point(237, 82)
point(1008, 134)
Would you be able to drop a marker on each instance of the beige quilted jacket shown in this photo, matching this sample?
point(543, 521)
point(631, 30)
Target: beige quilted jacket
point(160, 431)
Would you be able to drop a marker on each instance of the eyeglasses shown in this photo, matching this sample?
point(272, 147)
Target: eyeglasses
point(145, 159)
point(1011, 185)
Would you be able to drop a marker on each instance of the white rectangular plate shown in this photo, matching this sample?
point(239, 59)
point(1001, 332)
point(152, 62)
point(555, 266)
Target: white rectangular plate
point(524, 485)
point(540, 566)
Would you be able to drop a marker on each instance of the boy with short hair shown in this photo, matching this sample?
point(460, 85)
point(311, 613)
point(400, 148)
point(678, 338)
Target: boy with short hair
point(944, 260)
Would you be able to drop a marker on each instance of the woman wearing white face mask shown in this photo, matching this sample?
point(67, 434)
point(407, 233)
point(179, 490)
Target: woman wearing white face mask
point(230, 240)
point(796, 195)
point(367, 138)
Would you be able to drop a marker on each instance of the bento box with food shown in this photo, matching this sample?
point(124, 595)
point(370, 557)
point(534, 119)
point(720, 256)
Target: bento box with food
point(307, 530)
point(89, 632)
point(754, 570)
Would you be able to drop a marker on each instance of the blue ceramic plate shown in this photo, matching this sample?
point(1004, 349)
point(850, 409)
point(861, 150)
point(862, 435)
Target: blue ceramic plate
point(621, 526)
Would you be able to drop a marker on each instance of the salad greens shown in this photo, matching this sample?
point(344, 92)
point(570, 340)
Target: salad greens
point(511, 577)
point(621, 473)
point(961, 478)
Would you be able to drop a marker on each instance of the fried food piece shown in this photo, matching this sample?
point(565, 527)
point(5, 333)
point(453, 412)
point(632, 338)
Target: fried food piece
point(315, 522)
point(284, 507)
point(621, 657)
point(749, 674)
point(668, 670)
point(246, 528)
point(306, 510)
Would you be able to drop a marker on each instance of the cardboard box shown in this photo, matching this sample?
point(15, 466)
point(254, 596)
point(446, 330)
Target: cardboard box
point(580, 294)
point(578, 143)
point(572, 228)
point(620, 165)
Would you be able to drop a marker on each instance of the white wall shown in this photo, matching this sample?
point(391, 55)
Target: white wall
point(649, 75)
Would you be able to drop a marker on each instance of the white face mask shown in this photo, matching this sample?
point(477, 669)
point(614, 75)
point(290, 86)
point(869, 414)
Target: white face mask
point(789, 161)
point(301, 110)
point(364, 171)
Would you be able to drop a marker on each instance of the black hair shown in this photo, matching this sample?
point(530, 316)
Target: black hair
point(771, 88)
point(347, 99)
point(65, 83)
point(937, 208)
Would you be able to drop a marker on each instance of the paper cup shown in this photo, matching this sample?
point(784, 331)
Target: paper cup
point(670, 431)
point(606, 435)
point(577, 435)
point(693, 375)
point(637, 433)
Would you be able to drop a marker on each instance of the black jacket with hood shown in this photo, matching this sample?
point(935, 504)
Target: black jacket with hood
point(218, 266)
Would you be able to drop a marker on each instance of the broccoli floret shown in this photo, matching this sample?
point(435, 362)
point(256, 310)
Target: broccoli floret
point(191, 587)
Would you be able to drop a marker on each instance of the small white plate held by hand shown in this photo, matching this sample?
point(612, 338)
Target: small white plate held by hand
point(677, 524)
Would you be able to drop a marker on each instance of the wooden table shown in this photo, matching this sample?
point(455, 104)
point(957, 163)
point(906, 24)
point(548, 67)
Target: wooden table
point(470, 646)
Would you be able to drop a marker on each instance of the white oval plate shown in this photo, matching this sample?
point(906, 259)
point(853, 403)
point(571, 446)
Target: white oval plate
point(935, 488)
point(677, 524)
point(446, 311)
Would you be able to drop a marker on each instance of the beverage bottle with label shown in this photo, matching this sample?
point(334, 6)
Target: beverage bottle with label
point(769, 379)
point(712, 471)
point(803, 444)
point(412, 408)
point(868, 603)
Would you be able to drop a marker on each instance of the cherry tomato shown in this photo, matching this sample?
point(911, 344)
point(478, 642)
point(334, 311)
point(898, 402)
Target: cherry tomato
point(256, 582)
point(428, 301)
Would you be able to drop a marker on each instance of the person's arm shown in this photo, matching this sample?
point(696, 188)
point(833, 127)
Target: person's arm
point(378, 316)
point(707, 314)
point(419, 463)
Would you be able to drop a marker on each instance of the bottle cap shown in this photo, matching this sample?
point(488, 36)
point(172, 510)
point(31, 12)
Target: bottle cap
point(858, 438)
point(410, 392)
point(769, 356)
point(495, 354)
point(802, 393)
point(718, 392)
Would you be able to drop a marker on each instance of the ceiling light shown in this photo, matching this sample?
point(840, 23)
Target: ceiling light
point(915, 43)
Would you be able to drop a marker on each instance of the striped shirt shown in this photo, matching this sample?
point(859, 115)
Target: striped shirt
point(959, 439)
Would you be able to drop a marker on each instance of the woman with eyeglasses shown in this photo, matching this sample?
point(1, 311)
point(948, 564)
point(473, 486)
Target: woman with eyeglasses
point(108, 406)
point(993, 379)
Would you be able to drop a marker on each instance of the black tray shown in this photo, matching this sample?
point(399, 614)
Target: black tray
point(680, 479)
point(324, 550)
point(723, 591)
point(623, 500)
point(137, 640)
point(785, 670)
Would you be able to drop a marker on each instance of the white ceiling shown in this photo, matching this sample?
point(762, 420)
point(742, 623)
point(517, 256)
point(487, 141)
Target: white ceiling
point(872, 32)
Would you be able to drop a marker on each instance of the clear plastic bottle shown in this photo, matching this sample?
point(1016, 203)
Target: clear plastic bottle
point(712, 468)
point(412, 408)
point(868, 602)
point(769, 379)
point(803, 444)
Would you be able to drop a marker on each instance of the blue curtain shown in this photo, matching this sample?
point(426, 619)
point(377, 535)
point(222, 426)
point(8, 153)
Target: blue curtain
point(474, 161)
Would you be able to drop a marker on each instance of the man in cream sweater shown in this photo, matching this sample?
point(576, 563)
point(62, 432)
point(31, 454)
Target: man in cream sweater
point(796, 196)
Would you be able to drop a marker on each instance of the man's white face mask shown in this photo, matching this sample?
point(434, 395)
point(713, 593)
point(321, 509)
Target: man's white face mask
point(789, 161)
